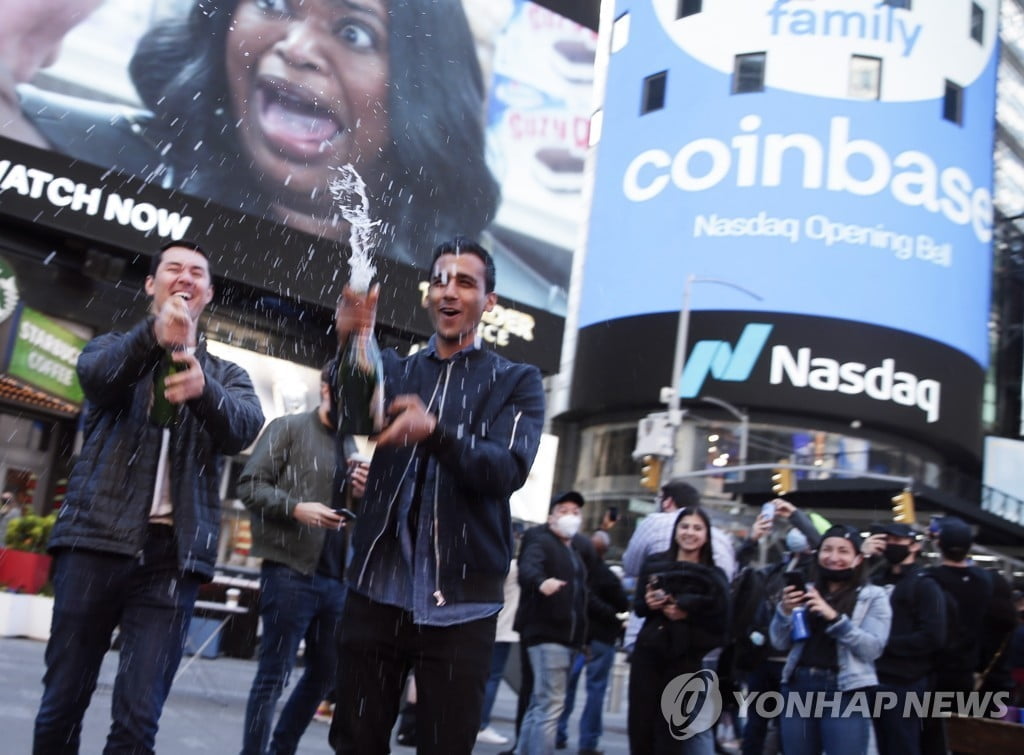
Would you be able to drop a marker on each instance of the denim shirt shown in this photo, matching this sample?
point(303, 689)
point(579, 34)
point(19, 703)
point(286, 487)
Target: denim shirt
point(860, 639)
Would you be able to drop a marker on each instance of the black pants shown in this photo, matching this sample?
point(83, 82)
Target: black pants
point(379, 645)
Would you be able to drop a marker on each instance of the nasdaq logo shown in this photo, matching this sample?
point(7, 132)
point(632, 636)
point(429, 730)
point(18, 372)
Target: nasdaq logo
point(722, 360)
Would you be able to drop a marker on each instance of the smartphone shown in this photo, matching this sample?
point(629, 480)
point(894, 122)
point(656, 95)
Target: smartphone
point(796, 579)
point(613, 513)
point(347, 513)
point(768, 511)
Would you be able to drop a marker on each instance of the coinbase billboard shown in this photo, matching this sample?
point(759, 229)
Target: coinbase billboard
point(833, 158)
point(873, 210)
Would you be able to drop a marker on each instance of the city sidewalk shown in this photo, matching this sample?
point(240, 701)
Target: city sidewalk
point(206, 709)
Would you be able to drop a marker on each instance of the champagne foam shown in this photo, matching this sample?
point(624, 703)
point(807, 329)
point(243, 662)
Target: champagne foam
point(349, 192)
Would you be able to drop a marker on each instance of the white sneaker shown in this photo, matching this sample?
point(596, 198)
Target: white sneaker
point(489, 736)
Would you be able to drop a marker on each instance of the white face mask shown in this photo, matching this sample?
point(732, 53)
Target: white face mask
point(796, 541)
point(568, 525)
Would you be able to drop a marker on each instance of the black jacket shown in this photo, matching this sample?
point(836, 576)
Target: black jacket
point(918, 628)
point(490, 415)
point(706, 601)
point(110, 489)
point(562, 616)
point(605, 599)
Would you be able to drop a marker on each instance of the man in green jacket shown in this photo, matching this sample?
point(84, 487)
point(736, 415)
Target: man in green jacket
point(287, 486)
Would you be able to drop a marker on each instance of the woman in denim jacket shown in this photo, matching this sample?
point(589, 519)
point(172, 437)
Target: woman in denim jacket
point(830, 670)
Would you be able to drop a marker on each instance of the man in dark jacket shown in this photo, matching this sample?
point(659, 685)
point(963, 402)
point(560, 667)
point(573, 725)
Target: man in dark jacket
point(918, 633)
point(287, 485)
point(434, 539)
point(606, 603)
point(552, 616)
point(137, 532)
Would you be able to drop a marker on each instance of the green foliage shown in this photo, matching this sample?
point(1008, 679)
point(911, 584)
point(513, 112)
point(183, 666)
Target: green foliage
point(30, 533)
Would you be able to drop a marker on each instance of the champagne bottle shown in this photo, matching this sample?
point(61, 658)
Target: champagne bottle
point(163, 411)
point(361, 391)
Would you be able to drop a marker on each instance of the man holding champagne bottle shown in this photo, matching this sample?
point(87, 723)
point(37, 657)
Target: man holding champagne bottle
point(137, 532)
point(462, 426)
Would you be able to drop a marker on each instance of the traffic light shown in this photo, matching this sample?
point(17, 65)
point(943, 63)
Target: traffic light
point(783, 479)
point(650, 473)
point(903, 508)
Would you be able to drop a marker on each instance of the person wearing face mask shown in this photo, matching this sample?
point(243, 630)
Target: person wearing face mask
point(848, 625)
point(918, 632)
point(552, 616)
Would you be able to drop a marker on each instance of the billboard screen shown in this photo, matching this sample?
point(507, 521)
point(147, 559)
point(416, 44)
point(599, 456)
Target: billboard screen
point(136, 121)
point(832, 158)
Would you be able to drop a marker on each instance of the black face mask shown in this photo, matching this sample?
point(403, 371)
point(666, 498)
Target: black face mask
point(836, 575)
point(895, 553)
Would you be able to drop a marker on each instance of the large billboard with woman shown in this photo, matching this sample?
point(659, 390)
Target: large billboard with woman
point(231, 118)
point(828, 160)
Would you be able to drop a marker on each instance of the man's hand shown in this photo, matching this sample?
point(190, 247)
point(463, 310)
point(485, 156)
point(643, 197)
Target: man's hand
point(355, 312)
point(550, 586)
point(762, 526)
point(874, 545)
point(409, 423)
point(358, 471)
point(174, 327)
point(783, 508)
point(315, 514)
point(187, 384)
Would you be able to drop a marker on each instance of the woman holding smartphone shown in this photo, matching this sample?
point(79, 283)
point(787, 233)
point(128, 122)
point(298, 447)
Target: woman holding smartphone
point(684, 601)
point(834, 629)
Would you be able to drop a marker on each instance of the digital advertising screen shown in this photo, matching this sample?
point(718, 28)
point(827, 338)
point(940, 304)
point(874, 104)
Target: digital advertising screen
point(133, 122)
point(808, 164)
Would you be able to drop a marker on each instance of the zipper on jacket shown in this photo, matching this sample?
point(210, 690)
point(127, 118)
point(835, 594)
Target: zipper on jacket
point(391, 503)
point(438, 595)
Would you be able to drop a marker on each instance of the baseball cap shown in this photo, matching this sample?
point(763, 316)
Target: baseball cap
point(844, 531)
point(954, 532)
point(896, 529)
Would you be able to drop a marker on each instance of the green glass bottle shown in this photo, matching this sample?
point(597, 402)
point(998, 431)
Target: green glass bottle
point(361, 391)
point(163, 411)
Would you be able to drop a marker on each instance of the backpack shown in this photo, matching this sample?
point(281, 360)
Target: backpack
point(957, 642)
point(754, 595)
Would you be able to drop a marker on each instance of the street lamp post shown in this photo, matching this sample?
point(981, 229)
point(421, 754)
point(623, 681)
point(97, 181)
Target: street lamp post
point(682, 334)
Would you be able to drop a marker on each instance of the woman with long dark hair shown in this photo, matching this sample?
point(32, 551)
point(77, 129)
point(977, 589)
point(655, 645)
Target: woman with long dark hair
point(834, 629)
point(260, 100)
point(684, 601)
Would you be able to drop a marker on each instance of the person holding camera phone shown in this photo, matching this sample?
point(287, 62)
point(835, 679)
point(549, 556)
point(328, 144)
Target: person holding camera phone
point(683, 599)
point(833, 630)
point(298, 520)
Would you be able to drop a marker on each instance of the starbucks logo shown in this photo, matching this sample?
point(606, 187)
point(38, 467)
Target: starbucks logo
point(8, 291)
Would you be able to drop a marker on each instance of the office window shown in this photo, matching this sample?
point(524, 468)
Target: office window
point(620, 32)
point(977, 23)
point(654, 92)
point(688, 8)
point(865, 77)
point(748, 73)
point(953, 103)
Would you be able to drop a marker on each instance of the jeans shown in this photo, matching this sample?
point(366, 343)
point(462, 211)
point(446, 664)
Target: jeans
point(895, 733)
point(599, 666)
point(293, 606)
point(499, 658)
point(379, 645)
point(767, 677)
point(550, 663)
point(95, 592)
point(829, 732)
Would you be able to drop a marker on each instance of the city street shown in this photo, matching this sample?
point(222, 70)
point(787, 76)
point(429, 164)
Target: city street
point(206, 708)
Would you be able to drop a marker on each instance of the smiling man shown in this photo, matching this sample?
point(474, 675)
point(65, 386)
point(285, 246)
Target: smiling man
point(434, 539)
point(138, 530)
